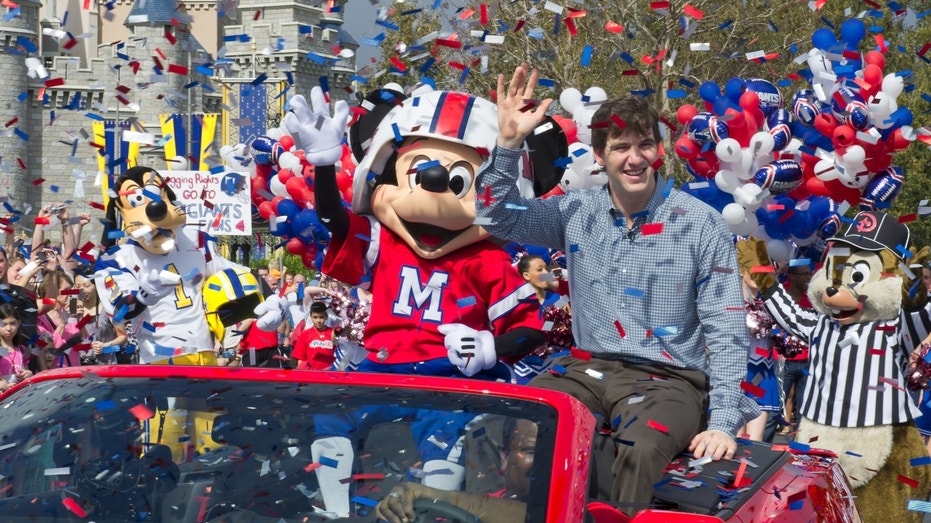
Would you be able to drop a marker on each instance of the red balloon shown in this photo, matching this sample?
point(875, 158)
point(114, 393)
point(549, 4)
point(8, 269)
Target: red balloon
point(347, 194)
point(308, 171)
point(555, 191)
point(296, 247)
point(568, 128)
point(266, 209)
point(295, 186)
point(686, 148)
point(276, 200)
point(287, 142)
point(873, 80)
point(309, 257)
point(875, 58)
point(685, 113)
point(284, 175)
point(705, 165)
point(263, 170)
point(343, 180)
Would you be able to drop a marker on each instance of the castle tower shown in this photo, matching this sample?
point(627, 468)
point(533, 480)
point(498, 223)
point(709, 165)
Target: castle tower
point(20, 40)
point(161, 43)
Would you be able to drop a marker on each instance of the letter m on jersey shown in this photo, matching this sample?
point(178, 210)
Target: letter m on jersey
point(427, 299)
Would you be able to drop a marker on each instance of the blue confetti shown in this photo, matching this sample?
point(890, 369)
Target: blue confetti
point(466, 302)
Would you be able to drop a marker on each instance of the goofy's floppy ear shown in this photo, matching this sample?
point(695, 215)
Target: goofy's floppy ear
point(366, 117)
point(106, 241)
point(548, 150)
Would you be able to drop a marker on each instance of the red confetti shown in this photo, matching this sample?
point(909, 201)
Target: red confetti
point(621, 124)
point(739, 480)
point(752, 389)
point(363, 477)
point(658, 426)
point(651, 228)
point(570, 25)
point(141, 412)
point(668, 356)
point(171, 38)
point(581, 354)
point(762, 268)
point(520, 24)
point(455, 44)
point(875, 351)
point(659, 5)
point(312, 467)
point(13, 121)
point(614, 27)
point(620, 329)
point(924, 49)
point(177, 69)
point(908, 481)
point(907, 218)
point(483, 14)
point(54, 82)
point(693, 12)
point(41, 220)
point(398, 64)
point(72, 505)
point(97, 205)
point(160, 53)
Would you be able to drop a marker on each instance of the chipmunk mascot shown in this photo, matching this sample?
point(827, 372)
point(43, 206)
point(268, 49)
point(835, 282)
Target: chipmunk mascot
point(155, 278)
point(871, 312)
point(445, 299)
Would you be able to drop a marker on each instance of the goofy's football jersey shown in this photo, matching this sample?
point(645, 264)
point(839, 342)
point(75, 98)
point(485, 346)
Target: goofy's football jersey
point(176, 325)
point(412, 296)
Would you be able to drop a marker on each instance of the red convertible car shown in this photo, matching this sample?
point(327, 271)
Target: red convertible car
point(217, 444)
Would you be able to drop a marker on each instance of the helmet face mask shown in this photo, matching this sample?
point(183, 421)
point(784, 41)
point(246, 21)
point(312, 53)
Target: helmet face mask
point(230, 296)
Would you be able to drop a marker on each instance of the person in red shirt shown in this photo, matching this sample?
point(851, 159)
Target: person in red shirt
point(314, 346)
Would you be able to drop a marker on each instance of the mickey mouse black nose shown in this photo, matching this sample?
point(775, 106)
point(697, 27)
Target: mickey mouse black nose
point(434, 178)
point(156, 211)
point(831, 291)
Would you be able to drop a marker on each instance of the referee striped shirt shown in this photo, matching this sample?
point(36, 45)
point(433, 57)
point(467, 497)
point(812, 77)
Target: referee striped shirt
point(856, 372)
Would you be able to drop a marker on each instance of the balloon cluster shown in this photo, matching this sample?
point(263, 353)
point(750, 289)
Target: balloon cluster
point(282, 193)
point(582, 172)
point(783, 173)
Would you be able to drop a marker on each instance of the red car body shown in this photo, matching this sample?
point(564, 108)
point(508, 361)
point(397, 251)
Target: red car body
point(793, 487)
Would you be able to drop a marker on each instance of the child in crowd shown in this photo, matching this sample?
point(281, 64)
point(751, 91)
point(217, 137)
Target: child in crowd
point(12, 349)
point(314, 345)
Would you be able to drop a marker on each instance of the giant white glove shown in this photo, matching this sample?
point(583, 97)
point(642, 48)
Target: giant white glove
point(314, 130)
point(155, 284)
point(270, 313)
point(471, 351)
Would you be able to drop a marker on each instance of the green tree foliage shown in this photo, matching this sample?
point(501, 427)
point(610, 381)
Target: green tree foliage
point(663, 50)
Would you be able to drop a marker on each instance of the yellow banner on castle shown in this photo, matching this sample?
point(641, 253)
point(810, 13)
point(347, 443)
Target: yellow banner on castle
point(108, 163)
point(202, 139)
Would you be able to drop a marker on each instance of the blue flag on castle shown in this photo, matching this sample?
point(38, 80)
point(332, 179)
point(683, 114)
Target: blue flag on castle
point(252, 107)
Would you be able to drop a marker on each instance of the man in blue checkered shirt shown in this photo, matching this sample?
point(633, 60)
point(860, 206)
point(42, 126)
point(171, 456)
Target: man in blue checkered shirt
point(655, 290)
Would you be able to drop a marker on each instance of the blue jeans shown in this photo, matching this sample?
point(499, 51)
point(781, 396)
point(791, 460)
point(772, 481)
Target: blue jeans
point(796, 373)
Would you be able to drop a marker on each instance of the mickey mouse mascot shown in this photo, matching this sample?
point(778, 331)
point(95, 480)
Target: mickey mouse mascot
point(870, 314)
point(446, 300)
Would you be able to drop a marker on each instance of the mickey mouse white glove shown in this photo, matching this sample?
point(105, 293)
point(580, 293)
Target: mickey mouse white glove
point(155, 284)
point(315, 131)
point(471, 351)
point(270, 313)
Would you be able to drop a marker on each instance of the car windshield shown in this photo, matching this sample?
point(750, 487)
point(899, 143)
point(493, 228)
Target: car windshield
point(178, 450)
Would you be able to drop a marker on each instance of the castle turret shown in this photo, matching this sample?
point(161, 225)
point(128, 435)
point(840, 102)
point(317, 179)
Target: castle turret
point(17, 108)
